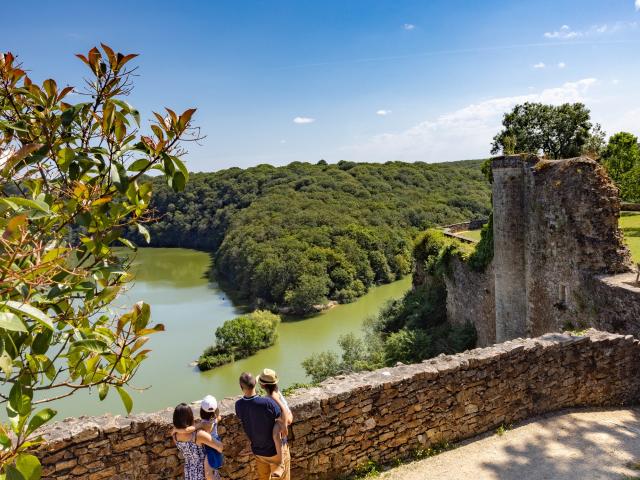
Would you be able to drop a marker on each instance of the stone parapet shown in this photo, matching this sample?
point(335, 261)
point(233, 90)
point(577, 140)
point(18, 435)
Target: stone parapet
point(380, 416)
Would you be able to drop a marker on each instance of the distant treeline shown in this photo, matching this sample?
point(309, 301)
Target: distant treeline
point(301, 234)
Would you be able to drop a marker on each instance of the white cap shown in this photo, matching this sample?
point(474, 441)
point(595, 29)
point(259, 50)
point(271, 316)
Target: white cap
point(209, 403)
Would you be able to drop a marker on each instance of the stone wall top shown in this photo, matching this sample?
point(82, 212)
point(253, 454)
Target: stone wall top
point(306, 400)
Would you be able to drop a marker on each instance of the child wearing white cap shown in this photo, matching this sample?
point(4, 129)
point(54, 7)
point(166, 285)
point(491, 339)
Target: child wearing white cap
point(209, 418)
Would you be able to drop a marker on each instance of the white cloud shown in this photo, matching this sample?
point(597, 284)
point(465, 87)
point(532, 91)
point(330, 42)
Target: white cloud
point(303, 120)
point(383, 113)
point(283, 141)
point(411, 26)
point(463, 133)
point(567, 33)
point(539, 65)
point(562, 64)
point(637, 4)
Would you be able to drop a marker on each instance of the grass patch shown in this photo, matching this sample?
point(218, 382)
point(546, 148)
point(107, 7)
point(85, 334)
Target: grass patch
point(504, 428)
point(371, 469)
point(630, 225)
point(470, 234)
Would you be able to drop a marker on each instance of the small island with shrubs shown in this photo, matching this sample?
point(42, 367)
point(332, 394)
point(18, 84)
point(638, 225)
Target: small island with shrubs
point(240, 338)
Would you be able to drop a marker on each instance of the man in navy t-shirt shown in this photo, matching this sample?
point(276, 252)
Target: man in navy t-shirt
point(258, 416)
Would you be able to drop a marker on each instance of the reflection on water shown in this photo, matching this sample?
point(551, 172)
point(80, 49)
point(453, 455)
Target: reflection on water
point(174, 283)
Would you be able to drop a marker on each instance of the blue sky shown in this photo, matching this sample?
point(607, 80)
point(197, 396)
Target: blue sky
point(278, 81)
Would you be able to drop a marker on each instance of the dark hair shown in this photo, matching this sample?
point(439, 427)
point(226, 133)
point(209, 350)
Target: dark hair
point(204, 415)
point(247, 381)
point(182, 416)
point(269, 387)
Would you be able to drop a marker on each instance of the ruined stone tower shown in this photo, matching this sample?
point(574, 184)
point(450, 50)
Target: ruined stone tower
point(509, 237)
point(555, 228)
point(559, 257)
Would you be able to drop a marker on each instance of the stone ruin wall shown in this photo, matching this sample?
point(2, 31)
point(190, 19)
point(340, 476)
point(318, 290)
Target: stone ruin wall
point(380, 416)
point(471, 299)
point(559, 257)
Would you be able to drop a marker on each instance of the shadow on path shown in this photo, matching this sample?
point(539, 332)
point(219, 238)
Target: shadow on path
point(577, 445)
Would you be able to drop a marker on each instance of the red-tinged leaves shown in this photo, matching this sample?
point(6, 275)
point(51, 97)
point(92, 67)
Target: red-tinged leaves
point(123, 59)
point(65, 91)
point(158, 131)
point(113, 62)
point(149, 143)
point(173, 115)
point(185, 118)
point(50, 87)
point(94, 59)
point(83, 58)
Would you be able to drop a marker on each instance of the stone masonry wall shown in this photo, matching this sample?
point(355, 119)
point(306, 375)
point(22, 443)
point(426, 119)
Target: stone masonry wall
point(381, 416)
point(559, 257)
point(471, 299)
point(572, 235)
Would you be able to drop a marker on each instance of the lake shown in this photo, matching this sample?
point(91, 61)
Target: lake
point(174, 282)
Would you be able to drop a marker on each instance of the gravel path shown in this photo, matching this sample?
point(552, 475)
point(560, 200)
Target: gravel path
point(577, 445)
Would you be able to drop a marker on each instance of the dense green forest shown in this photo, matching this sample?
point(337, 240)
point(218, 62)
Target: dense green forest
point(300, 234)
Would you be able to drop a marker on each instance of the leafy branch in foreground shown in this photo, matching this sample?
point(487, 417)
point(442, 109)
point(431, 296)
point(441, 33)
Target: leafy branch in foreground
point(72, 182)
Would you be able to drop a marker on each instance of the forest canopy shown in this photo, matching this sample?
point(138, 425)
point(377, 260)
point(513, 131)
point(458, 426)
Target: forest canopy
point(299, 235)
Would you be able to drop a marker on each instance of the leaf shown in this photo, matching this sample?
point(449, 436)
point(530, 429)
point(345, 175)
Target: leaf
point(65, 156)
point(6, 364)
point(13, 474)
point(29, 466)
point(19, 399)
point(39, 419)
point(26, 203)
point(103, 390)
point(115, 176)
point(90, 345)
point(110, 55)
point(30, 311)
point(19, 155)
point(5, 441)
point(127, 243)
point(185, 118)
point(10, 321)
point(126, 399)
point(144, 232)
point(42, 342)
point(50, 87)
point(179, 182)
point(139, 165)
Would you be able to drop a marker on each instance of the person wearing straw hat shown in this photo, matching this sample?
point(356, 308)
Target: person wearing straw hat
point(268, 380)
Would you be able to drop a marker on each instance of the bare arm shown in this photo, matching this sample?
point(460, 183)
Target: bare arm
point(277, 429)
point(204, 438)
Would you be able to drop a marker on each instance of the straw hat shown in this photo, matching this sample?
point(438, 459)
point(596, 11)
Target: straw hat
point(268, 377)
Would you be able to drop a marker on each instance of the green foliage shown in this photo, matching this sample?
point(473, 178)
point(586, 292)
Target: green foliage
point(302, 234)
point(72, 182)
point(621, 158)
point(562, 131)
point(481, 257)
point(240, 338)
point(357, 355)
point(414, 327)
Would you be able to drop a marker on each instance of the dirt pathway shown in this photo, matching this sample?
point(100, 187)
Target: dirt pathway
point(579, 445)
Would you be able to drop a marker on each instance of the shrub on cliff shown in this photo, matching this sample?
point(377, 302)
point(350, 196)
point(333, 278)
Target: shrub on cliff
point(72, 181)
point(240, 338)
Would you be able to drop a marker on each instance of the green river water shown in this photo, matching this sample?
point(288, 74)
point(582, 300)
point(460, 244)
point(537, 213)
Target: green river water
point(174, 283)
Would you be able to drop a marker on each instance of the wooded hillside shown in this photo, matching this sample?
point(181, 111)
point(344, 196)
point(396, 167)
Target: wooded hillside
point(301, 234)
